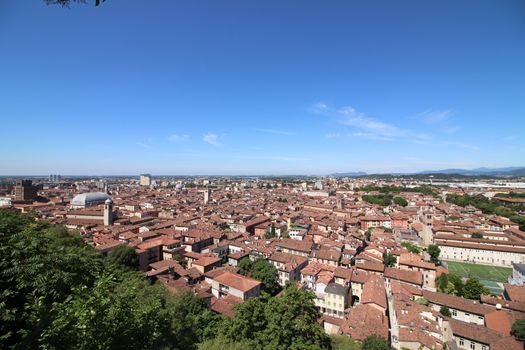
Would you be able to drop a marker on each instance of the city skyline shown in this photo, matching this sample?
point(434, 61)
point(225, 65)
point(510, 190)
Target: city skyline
point(260, 88)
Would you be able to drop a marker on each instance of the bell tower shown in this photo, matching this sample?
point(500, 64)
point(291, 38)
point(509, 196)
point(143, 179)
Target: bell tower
point(108, 212)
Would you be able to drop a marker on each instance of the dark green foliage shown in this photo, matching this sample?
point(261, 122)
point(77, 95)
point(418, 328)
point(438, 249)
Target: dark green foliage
point(56, 293)
point(412, 248)
point(442, 282)
point(375, 342)
point(285, 322)
point(39, 265)
point(511, 195)
point(11, 222)
point(221, 343)
point(434, 251)
point(180, 259)
point(265, 272)
point(113, 314)
point(271, 234)
point(261, 270)
point(344, 342)
point(477, 235)
point(474, 289)
point(382, 200)
point(459, 286)
point(389, 259)
point(487, 206)
point(123, 256)
point(245, 266)
point(445, 311)
point(368, 235)
point(450, 284)
point(400, 201)
point(397, 189)
point(518, 330)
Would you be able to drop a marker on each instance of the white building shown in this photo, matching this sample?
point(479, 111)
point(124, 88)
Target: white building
point(145, 180)
point(518, 275)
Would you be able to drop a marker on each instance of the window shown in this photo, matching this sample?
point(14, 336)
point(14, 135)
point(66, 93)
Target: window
point(461, 342)
point(454, 313)
point(483, 347)
point(472, 345)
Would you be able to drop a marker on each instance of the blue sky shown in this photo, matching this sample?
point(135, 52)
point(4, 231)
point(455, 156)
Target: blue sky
point(261, 87)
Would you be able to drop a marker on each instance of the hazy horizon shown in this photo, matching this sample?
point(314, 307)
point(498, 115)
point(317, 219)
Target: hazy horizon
point(236, 174)
point(265, 88)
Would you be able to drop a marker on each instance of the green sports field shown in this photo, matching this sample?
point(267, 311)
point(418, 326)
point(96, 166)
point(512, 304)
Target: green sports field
point(482, 272)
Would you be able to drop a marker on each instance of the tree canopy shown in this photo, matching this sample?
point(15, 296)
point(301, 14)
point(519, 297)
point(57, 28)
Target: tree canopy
point(474, 289)
point(434, 251)
point(261, 270)
point(375, 342)
point(412, 248)
point(400, 201)
point(389, 259)
point(380, 199)
point(487, 206)
point(450, 284)
point(518, 330)
point(288, 321)
point(56, 292)
point(124, 255)
point(445, 311)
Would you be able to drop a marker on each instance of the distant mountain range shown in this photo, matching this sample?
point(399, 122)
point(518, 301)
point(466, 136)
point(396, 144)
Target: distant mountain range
point(507, 171)
point(351, 174)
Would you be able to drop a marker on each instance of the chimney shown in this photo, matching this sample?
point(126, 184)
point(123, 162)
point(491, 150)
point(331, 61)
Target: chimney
point(498, 306)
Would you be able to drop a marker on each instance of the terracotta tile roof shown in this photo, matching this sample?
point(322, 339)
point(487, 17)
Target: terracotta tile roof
point(207, 260)
point(219, 271)
point(515, 293)
point(359, 276)
point(458, 303)
point(411, 259)
point(406, 289)
point(480, 334)
point(506, 304)
point(236, 281)
point(414, 277)
point(370, 266)
point(314, 268)
point(224, 306)
point(374, 292)
point(328, 254)
point(292, 244)
point(365, 320)
point(500, 321)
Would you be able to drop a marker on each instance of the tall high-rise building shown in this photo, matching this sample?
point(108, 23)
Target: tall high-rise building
point(25, 191)
point(55, 178)
point(145, 180)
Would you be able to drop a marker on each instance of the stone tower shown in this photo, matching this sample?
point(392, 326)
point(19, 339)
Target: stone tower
point(108, 212)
